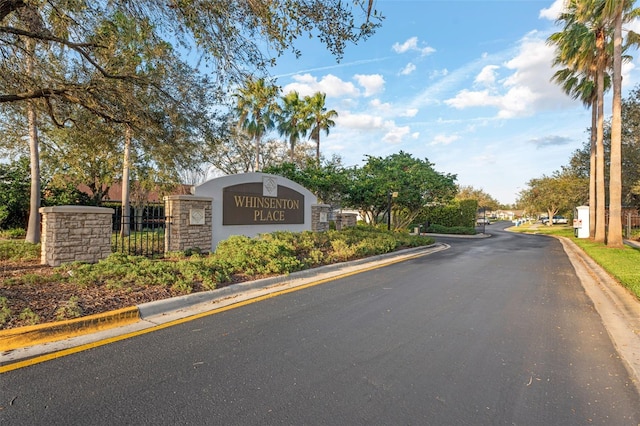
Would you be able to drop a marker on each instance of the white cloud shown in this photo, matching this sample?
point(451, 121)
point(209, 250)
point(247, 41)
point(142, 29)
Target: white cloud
point(408, 69)
point(553, 11)
point(381, 106)
point(410, 112)
point(306, 85)
point(439, 73)
point(487, 76)
point(373, 83)
point(468, 98)
point(358, 121)
point(412, 44)
point(532, 76)
point(525, 91)
point(395, 134)
point(442, 139)
point(517, 102)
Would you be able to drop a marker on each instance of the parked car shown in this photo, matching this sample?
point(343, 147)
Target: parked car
point(557, 219)
point(482, 221)
point(560, 219)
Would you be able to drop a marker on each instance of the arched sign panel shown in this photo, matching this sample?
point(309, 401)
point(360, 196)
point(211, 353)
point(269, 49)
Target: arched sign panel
point(246, 204)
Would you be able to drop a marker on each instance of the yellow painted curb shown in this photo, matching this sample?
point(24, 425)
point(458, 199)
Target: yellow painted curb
point(42, 333)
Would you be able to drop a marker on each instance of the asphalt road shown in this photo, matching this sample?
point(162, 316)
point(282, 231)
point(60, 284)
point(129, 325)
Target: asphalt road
point(492, 331)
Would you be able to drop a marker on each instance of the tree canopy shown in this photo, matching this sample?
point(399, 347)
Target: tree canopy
point(155, 72)
point(416, 182)
point(559, 193)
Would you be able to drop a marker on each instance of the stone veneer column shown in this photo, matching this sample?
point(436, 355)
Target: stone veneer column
point(189, 223)
point(75, 234)
point(320, 217)
point(346, 220)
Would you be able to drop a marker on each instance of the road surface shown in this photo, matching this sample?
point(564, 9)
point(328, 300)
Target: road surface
point(491, 331)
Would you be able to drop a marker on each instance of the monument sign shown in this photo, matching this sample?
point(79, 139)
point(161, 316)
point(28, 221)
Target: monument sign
point(253, 203)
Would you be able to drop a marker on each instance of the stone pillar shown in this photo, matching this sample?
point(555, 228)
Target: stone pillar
point(346, 220)
point(189, 223)
point(320, 217)
point(75, 234)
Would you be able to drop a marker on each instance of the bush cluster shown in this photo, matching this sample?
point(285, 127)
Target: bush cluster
point(18, 250)
point(240, 257)
point(456, 230)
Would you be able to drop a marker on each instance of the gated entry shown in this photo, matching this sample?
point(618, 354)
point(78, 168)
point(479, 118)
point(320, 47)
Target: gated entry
point(141, 232)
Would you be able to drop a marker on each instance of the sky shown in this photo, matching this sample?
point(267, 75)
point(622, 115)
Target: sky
point(464, 84)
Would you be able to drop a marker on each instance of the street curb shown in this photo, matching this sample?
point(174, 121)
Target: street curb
point(22, 337)
point(616, 305)
point(150, 309)
point(51, 332)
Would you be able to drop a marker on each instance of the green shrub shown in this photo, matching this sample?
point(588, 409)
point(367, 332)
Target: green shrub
point(265, 255)
point(5, 312)
point(29, 317)
point(69, 309)
point(459, 230)
point(19, 250)
point(276, 253)
point(13, 233)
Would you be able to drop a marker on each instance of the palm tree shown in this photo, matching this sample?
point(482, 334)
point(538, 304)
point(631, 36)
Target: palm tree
point(608, 16)
point(576, 48)
point(293, 120)
point(618, 12)
point(256, 108)
point(320, 118)
point(581, 86)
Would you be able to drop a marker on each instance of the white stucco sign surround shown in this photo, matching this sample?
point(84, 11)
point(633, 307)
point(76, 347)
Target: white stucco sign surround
point(255, 203)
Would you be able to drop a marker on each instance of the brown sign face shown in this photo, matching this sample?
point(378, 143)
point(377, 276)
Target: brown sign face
point(245, 204)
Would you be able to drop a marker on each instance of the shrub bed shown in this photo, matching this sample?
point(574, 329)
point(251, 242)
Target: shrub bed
point(122, 280)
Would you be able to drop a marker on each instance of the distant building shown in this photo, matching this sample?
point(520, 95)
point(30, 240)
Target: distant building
point(138, 195)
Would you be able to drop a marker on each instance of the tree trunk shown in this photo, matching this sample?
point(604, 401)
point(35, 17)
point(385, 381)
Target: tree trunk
point(592, 171)
point(125, 227)
point(614, 234)
point(600, 184)
point(33, 227)
point(257, 160)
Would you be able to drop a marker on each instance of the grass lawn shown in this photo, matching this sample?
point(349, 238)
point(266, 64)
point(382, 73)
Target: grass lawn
point(623, 264)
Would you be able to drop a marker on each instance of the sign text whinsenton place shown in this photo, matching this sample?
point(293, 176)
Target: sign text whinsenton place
point(246, 204)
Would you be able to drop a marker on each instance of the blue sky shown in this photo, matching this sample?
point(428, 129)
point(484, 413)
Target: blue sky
point(465, 84)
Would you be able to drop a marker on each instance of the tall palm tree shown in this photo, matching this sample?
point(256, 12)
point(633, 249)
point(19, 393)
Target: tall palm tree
point(293, 120)
point(576, 48)
point(321, 119)
point(256, 107)
point(608, 17)
point(614, 236)
point(582, 86)
point(617, 12)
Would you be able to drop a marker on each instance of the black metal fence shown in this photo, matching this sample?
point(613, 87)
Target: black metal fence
point(630, 224)
point(141, 232)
